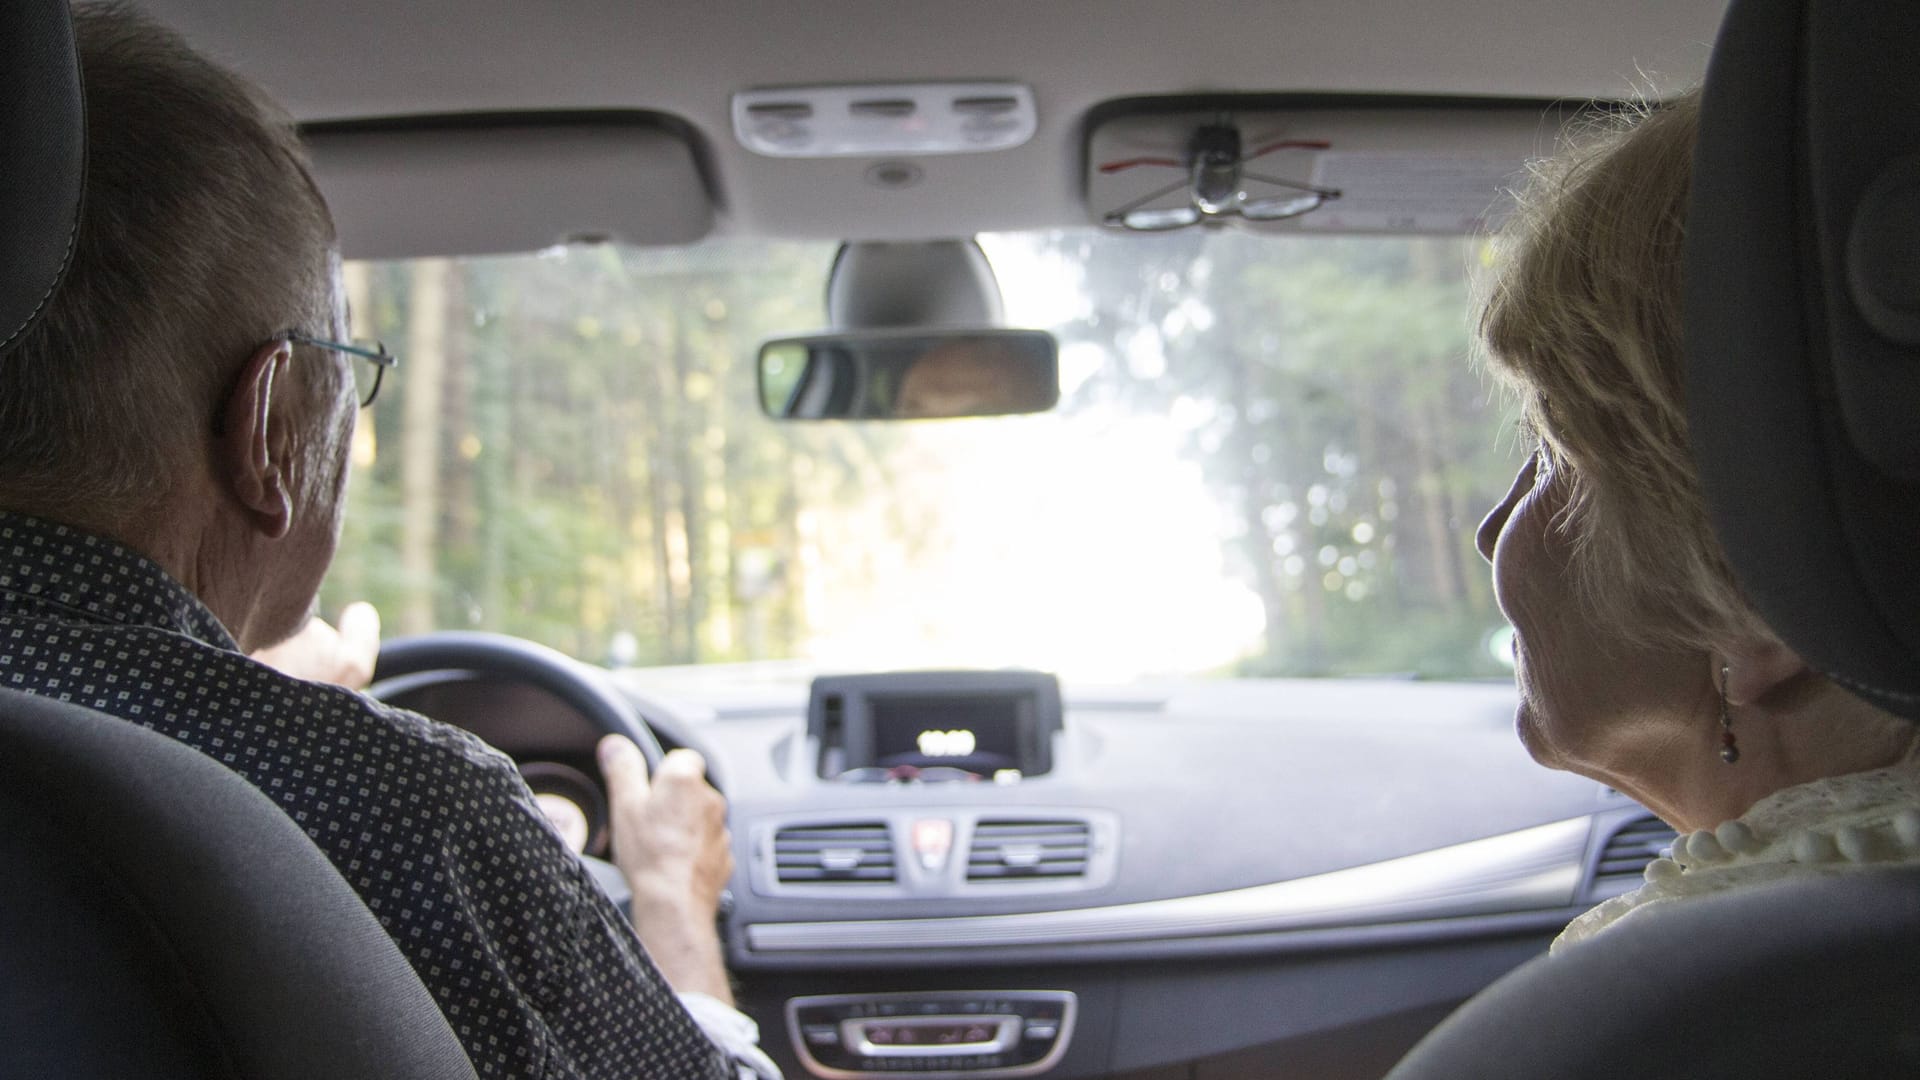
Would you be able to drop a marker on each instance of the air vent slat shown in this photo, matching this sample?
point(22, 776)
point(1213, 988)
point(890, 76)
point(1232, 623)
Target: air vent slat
point(1632, 847)
point(1050, 870)
point(1064, 828)
point(814, 873)
point(1046, 855)
point(1029, 851)
point(853, 853)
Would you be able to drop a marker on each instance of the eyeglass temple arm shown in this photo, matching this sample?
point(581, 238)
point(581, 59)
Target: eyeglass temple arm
point(1115, 216)
point(1287, 144)
point(1325, 193)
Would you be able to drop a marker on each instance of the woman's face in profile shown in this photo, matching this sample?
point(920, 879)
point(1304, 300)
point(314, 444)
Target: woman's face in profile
point(1585, 693)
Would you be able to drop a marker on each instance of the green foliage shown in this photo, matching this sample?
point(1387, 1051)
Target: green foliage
point(598, 469)
point(1326, 389)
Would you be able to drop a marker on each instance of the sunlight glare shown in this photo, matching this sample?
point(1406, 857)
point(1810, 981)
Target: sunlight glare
point(1094, 557)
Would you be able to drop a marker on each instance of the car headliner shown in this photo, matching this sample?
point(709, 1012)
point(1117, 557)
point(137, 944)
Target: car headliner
point(326, 60)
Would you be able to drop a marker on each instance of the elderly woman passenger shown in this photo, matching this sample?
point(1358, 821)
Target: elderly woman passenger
point(1639, 662)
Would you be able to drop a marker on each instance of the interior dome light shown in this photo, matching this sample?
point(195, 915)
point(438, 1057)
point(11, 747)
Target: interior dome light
point(867, 121)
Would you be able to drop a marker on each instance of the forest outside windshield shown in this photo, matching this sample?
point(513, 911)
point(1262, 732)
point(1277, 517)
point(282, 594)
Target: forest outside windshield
point(1268, 459)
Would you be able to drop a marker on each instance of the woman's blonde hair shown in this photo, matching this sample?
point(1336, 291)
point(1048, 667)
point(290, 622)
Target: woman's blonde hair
point(1583, 321)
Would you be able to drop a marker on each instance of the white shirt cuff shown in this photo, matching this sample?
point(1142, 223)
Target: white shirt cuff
point(733, 1032)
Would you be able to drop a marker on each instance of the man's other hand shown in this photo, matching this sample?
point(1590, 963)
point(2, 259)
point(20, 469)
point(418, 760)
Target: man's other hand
point(670, 839)
point(320, 653)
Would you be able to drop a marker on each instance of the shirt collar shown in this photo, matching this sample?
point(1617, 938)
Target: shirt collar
point(44, 564)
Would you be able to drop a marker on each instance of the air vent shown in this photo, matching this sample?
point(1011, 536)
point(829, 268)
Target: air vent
point(1632, 847)
point(1029, 851)
point(831, 854)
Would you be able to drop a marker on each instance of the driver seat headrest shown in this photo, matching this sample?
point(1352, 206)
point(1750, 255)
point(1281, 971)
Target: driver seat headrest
point(43, 142)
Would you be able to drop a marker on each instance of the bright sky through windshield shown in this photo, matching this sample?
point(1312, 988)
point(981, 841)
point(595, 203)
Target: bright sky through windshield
point(1085, 546)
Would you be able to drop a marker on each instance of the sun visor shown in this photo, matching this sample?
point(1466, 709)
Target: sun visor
point(410, 188)
point(1313, 163)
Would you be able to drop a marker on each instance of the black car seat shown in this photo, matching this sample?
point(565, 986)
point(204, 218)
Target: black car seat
point(43, 145)
point(159, 917)
point(1803, 382)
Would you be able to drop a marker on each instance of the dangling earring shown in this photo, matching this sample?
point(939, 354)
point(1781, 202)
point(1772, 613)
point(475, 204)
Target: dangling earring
point(1729, 749)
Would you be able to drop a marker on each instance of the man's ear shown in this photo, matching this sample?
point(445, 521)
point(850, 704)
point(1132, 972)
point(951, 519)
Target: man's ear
point(250, 450)
point(1758, 670)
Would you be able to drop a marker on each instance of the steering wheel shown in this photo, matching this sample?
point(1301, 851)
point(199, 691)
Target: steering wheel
point(516, 658)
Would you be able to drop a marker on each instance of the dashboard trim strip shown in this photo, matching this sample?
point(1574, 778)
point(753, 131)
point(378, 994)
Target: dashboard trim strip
point(1534, 868)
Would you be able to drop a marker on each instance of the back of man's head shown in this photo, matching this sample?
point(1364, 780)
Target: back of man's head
point(202, 237)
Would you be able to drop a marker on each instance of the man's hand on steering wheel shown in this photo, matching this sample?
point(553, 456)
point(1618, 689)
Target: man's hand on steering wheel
point(670, 836)
point(320, 653)
point(670, 839)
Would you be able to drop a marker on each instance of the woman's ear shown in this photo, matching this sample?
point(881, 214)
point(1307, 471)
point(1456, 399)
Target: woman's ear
point(247, 447)
point(1758, 670)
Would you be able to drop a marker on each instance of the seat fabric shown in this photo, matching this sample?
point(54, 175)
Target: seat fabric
point(1813, 977)
point(160, 917)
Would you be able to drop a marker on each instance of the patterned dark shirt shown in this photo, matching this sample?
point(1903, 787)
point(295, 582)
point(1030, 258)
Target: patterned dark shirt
point(538, 974)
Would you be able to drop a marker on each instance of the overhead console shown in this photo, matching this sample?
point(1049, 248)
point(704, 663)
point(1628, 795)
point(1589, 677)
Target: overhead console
point(933, 725)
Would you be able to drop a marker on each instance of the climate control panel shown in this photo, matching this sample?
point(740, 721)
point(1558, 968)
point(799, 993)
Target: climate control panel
point(983, 1033)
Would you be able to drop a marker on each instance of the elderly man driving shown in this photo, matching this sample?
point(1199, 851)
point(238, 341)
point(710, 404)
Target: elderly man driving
point(174, 443)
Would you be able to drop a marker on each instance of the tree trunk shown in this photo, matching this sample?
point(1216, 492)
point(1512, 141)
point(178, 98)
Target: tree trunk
point(420, 442)
point(693, 516)
point(1443, 566)
point(350, 573)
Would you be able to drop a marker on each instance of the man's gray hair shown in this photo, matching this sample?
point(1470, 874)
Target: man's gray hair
point(202, 237)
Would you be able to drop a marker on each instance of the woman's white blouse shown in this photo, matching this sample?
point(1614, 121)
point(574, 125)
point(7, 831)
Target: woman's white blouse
point(1832, 826)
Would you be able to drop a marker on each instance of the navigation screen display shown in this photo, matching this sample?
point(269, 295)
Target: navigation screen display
point(931, 726)
point(978, 734)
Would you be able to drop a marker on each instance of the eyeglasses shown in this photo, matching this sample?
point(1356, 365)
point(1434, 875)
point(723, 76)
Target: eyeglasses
point(368, 374)
point(1304, 198)
point(1215, 186)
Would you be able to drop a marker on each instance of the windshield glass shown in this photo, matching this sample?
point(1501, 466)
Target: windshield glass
point(1268, 459)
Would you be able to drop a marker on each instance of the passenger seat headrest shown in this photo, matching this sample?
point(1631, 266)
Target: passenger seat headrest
point(1803, 328)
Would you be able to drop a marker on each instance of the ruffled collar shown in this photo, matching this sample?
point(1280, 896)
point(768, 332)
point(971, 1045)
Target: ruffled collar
point(1828, 826)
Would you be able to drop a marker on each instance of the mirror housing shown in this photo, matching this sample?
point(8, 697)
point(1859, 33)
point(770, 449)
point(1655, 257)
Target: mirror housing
point(909, 374)
point(928, 283)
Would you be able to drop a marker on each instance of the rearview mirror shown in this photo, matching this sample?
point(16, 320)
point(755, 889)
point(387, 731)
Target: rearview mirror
point(909, 374)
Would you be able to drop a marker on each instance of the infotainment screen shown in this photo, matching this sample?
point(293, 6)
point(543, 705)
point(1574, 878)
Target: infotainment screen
point(980, 722)
point(980, 734)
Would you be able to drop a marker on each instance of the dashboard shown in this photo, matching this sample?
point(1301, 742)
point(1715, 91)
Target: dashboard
point(992, 877)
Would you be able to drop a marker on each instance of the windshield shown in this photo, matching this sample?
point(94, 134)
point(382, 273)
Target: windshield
point(1268, 459)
